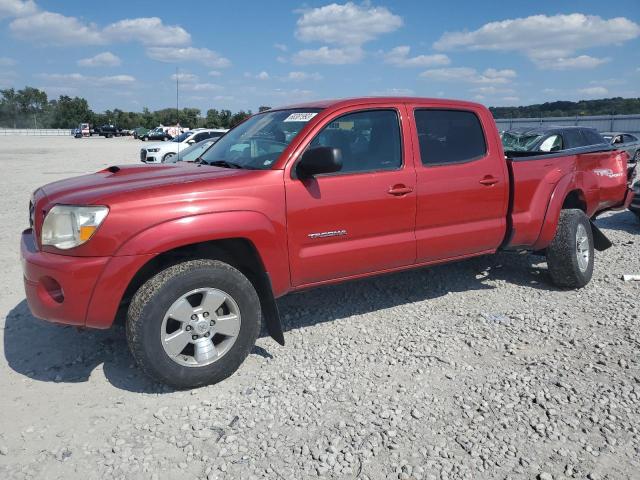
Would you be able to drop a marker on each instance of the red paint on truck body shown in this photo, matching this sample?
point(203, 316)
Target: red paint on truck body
point(444, 212)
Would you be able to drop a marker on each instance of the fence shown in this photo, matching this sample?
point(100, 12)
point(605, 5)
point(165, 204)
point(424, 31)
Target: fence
point(46, 132)
point(602, 123)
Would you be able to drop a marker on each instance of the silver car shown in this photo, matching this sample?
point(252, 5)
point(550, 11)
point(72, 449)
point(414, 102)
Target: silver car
point(625, 141)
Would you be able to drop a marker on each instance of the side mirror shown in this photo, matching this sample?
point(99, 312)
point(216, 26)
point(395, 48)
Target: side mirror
point(319, 160)
point(191, 142)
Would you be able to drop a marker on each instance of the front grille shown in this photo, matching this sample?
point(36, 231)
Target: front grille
point(143, 155)
point(32, 212)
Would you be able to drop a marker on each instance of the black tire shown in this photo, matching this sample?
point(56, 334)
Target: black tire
point(151, 302)
point(167, 156)
point(562, 253)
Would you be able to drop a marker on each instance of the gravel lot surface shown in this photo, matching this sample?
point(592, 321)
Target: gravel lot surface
point(480, 369)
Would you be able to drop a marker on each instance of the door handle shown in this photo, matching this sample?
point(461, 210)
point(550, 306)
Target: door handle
point(489, 180)
point(399, 190)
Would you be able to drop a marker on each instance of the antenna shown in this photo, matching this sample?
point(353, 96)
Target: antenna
point(178, 129)
point(177, 98)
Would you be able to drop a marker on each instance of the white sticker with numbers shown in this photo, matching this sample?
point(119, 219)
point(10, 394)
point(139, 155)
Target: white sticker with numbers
point(300, 117)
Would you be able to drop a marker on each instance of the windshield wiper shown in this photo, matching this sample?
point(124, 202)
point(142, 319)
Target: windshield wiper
point(222, 163)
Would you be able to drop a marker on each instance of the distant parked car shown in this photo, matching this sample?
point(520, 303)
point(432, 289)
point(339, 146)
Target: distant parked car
point(161, 152)
point(139, 132)
point(108, 131)
point(157, 134)
point(550, 139)
point(192, 153)
point(625, 141)
point(77, 133)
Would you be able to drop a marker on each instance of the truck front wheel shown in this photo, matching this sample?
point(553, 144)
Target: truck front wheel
point(193, 323)
point(570, 255)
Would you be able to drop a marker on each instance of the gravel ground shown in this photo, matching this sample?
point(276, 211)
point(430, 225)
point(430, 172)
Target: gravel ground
point(479, 369)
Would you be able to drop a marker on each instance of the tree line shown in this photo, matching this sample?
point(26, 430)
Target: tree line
point(605, 106)
point(31, 108)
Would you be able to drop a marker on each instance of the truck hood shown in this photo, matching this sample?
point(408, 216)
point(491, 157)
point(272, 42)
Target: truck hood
point(114, 181)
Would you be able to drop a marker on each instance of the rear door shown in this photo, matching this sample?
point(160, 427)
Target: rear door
point(462, 184)
point(362, 218)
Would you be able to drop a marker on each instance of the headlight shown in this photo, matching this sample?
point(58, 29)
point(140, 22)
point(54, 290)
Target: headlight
point(67, 226)
point(152, 150)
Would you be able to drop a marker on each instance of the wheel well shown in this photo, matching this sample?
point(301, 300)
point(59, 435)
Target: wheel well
point(237, 252)
point(575, 199)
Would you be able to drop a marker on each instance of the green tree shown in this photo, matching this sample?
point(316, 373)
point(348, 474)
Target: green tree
point(69, 112)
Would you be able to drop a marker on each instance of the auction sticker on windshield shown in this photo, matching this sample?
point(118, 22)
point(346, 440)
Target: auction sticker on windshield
point(300, 117)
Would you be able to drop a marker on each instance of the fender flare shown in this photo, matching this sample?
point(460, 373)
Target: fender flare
point(264, 235)
point(552, 214)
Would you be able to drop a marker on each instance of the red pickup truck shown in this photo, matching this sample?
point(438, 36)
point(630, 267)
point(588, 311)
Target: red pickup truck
point(193, 256)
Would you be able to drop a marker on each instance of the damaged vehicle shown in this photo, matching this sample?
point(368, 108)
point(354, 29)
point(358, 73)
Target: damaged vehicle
point(192, 256)
point(550, 139)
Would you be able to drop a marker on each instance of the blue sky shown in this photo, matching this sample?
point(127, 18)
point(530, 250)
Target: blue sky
point(241, 54)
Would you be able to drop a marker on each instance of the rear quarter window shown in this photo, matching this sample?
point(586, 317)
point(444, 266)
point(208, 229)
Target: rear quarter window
point(449, 136)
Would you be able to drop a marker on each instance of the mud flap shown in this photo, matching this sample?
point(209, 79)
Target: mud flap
point(270, 311)
point(600, 240)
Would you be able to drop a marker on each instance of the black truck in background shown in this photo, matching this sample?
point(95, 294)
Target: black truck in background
point(109, 131)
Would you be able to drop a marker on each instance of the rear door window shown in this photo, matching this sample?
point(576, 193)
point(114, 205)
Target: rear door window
point(449, 136)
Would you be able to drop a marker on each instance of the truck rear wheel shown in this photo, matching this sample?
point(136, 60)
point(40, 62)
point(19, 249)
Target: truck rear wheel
point(570, 255)
point(193, 323)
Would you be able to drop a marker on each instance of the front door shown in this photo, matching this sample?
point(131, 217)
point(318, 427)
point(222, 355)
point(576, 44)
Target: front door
point(360, 219)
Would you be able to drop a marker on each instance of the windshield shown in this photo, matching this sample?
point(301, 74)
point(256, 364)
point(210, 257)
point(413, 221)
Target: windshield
point(182, 137)
point(517, 142)
point(258, 142)
point(193, 152)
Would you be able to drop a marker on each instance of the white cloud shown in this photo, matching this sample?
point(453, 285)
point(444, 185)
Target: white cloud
point(7, 62)
point(17, 8)
point(148, 31)
point(570, 63)
point(347, 24)
point(55, 29)
point(302, 76)
point(104, 59)
point(511, 99)
point(41, 26)
point(394, 92)
point(184, 77)
point(201, 87)
point(546, 40)
point(204, 56)
point(280, 46)
point(594, 91)
point(83, 80)
point(491, 90)
point(259, 76)
point(328, 56)
point(470, 75)
point(399, 56)
point(215, 73)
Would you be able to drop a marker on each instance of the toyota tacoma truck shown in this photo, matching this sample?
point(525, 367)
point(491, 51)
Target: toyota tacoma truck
point(193, 256)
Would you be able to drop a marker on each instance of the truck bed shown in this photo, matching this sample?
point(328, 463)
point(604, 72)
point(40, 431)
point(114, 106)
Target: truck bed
point(592, 178)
